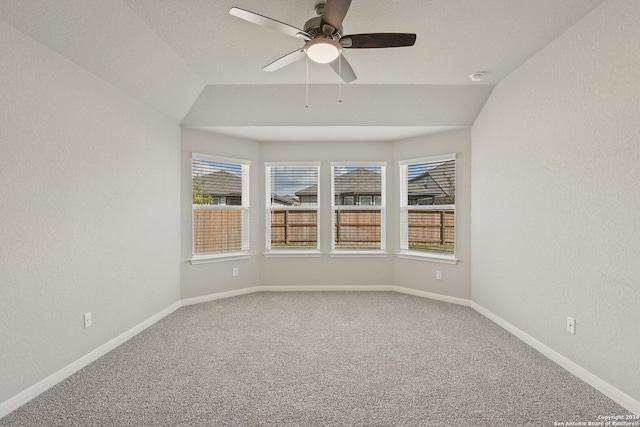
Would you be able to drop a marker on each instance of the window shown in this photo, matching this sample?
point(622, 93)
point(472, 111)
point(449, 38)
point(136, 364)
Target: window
point(366, 200)
point(358, 208)
point(427, 207)
point(220, 206)
point(292, 202)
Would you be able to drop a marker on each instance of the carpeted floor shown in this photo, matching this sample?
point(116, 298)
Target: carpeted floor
point(319, 358)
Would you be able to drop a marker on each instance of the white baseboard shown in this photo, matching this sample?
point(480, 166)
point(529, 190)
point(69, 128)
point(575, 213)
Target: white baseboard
point(430, 295)
point(220, 295)
point(599, 384)
point(327, 288)
point(41, 386)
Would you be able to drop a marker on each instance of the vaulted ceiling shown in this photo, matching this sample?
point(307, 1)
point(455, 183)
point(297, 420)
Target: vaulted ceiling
point(192, 61)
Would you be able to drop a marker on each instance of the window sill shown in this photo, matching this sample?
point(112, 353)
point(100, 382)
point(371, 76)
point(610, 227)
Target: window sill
point(359, 253)
point(205, 259)
point(429, 257)
point(293, 253)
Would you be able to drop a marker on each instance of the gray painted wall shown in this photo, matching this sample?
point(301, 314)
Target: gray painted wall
point(89, 191)
point(205, 279)
point(327, 270)
point(556, 195)
point(421, 275)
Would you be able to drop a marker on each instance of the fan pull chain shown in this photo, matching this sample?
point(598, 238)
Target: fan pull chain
point(340, 79)
point(306, 86)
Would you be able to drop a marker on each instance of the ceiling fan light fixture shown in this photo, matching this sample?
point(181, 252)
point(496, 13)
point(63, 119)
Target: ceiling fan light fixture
point(323, 50)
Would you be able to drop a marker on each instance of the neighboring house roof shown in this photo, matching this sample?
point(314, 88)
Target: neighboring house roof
point(358, 181)
point(439, 181)
point(309, 191)
point(221, 183)
point(285, 200)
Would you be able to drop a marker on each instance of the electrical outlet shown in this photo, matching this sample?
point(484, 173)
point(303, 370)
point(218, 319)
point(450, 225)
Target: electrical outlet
point(571, 325)
point(235, 271)
point(87, 320)
point(438, 275)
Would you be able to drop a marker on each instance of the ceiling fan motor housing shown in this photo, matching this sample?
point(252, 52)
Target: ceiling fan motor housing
point(314, 29)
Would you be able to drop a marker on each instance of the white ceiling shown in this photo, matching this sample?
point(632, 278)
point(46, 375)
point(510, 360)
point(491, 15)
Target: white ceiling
point(192, 61)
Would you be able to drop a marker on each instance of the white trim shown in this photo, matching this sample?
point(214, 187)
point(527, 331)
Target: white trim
point(293, 208)
point(430, 295)
point(205, 259)
point(219, 295)
point(327, 288)
point(358, 163)
point(216, 207)
point(403, 224)
point(430, 207)
point(41, 386)
point(294, 253)
point(243, 208)
point(382, 208)
point(270, 164)
point(246, 211)
point(429, 159)
point(428, 257)
point(599, 384)
point(405, 252)
point(358, 253)
point(198, 156)
point(269, 207)
point(373, 208)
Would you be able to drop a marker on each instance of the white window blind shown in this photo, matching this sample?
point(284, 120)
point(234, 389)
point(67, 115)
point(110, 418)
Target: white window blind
point(358, 206)
point(220, 205)
point(292, 202)
point(427, 205)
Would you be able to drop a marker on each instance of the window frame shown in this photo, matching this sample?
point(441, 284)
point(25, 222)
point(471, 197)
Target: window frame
point(423, 255)
point(244, 208)
point(291, 252)
point(357, 206)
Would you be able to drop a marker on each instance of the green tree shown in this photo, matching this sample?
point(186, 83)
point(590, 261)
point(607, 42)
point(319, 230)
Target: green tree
point(199, 196)
point(451, 193)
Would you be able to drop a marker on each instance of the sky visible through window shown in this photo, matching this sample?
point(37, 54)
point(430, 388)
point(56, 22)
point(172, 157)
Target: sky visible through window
point(287, 180)
point(203, 167)
point(420, 168)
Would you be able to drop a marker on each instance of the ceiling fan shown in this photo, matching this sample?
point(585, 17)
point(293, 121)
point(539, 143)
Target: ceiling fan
point(324, 37)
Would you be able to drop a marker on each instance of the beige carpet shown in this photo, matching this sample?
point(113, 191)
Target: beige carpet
point(319, 358)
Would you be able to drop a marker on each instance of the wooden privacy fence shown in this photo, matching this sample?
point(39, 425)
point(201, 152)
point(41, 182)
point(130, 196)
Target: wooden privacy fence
point(357, 229)
point(432, 227)
point(216, 231)
point(294, 228)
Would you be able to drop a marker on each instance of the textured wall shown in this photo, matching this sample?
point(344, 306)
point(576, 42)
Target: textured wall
point(204, 279)
point(89, 191)
point(421, 275)
point(555, 226)
point(328, 270)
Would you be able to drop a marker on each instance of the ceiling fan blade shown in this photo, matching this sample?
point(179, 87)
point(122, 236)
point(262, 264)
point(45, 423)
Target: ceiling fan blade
point(343, 69)
point(334, 13)
point(288, 59)
point(377, 40)
point(269, 23)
